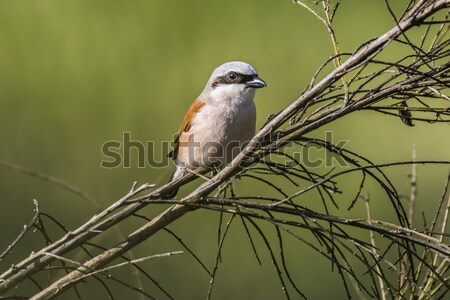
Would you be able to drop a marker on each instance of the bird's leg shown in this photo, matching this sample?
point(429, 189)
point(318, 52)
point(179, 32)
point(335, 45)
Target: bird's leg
point(214, 170)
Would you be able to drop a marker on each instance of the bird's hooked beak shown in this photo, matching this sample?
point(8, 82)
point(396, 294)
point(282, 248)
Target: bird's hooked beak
point(256, 83)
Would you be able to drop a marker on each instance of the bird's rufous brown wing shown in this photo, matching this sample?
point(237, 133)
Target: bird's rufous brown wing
point(185, 126)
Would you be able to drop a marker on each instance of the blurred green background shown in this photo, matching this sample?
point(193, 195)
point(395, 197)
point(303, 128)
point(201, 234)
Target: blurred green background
point(76, 74)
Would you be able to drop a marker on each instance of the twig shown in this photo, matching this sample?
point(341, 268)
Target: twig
point(372, 241)
point(218, 256)
point(134, 261)
point(413, 193)
point(25, 229)
point(45, 177)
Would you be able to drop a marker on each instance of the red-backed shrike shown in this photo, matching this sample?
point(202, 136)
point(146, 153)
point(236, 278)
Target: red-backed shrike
point(219, 122)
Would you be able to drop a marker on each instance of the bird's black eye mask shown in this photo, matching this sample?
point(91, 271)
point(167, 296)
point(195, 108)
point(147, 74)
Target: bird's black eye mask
point(233, 78)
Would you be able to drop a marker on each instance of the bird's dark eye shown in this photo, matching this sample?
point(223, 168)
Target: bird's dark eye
point(232, 76)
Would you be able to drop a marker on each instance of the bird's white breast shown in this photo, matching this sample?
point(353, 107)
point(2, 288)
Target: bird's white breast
point(229, 124)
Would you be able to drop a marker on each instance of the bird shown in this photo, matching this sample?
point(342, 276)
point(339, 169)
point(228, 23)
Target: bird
point(219, 123)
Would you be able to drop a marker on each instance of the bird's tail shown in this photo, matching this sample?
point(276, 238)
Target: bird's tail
point(173, 193)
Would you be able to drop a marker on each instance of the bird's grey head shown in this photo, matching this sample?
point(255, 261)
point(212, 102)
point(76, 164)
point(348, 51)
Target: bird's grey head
point(234, 80)
point(236, 72)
